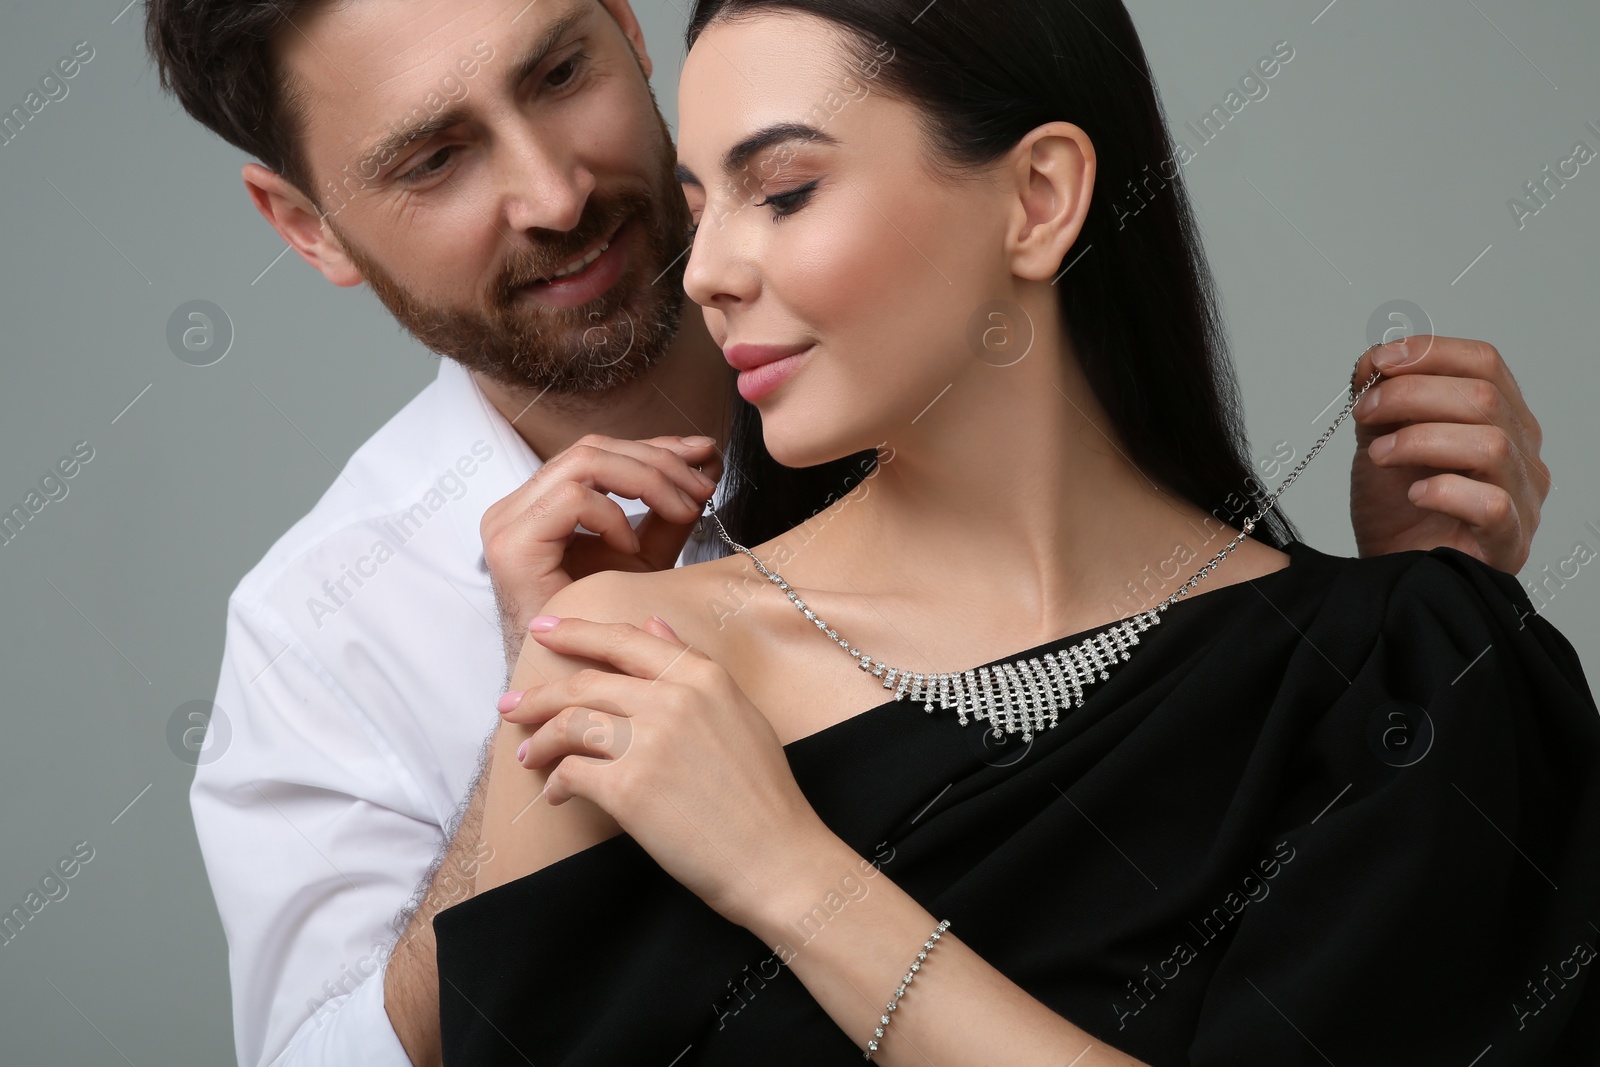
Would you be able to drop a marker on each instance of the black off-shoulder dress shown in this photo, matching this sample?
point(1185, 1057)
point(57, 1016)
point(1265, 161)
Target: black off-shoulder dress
point(1347, 813)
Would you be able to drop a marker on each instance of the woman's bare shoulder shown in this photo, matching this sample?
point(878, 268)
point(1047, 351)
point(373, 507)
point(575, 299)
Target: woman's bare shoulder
point(686, 597)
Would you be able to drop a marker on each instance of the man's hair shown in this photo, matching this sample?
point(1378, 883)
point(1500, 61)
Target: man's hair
point(216, 57)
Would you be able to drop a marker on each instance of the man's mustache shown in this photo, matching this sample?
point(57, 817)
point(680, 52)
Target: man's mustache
point(529, 265)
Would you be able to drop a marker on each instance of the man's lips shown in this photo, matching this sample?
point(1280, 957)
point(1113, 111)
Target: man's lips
point(749, 357)
point(590, 255)
point(593, 279)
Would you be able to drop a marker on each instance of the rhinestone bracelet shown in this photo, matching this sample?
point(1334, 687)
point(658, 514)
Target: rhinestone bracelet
point(883, 1020)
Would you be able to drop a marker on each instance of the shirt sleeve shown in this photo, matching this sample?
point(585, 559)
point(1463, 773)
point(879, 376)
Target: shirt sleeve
point(313, 842)
point(1434, 879)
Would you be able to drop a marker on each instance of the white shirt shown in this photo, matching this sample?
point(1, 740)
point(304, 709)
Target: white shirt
point(359, 678)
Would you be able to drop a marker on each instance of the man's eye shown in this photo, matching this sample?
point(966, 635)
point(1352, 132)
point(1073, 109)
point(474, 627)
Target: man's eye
point(430, 166)
point(566, 72)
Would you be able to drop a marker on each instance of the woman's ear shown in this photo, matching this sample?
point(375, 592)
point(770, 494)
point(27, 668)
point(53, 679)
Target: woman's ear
point(1053, 167)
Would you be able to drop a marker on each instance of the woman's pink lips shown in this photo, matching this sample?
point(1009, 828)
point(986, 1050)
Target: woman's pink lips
point(749, 357)
point(591, 282)
point(764, 378)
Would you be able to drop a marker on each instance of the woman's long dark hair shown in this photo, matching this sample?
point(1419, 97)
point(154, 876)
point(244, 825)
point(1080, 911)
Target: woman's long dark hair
point(1140, 305)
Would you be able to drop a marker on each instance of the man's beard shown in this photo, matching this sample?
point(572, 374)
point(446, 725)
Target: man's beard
point(580, 351)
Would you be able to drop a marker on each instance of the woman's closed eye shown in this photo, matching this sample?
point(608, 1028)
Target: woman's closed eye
point(782, 204)
point(786, 204)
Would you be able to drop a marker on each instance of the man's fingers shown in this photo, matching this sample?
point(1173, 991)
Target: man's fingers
point(530, 536)
point(1418, 398)
point(1396, 354)
point(1444, 446)
point(673, 456)
point(617, 466)
point(1454, 357)
point(556, 516)
point(676, 491)
point(670, 487)
point(661, 541)
point(695, 449)
point(1487, 510)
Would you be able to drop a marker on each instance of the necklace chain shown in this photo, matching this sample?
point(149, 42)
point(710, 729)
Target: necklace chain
point(1027, 694)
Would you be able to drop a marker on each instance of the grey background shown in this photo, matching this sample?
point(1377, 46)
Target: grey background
point(1378, 167)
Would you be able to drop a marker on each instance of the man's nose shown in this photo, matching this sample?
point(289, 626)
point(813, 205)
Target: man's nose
point(542, 184)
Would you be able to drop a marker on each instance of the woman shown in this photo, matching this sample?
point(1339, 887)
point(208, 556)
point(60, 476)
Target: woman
point(1331, 810)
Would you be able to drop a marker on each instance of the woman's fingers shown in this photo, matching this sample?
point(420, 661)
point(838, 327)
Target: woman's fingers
point(626, 647)
point(577, 731)
point(588, 713)
point(598, 689)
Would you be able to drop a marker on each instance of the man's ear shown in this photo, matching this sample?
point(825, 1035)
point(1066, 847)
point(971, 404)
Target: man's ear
point(1053, 168)
point(622, 11)
point(298, 222)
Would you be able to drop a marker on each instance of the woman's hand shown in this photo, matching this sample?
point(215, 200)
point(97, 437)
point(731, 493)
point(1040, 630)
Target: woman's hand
point(673, 750)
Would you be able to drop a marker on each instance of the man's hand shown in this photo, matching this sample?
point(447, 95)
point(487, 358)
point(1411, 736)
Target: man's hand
point(1447, 453)
point(533, 547)
point(531, 539)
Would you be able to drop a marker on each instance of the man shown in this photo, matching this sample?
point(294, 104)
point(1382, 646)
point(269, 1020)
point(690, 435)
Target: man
point(497, 171)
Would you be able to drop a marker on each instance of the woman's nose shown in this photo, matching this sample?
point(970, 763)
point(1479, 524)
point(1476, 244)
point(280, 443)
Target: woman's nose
point(719, 271)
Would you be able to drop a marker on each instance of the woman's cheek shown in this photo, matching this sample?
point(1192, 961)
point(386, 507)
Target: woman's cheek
point(843, 269)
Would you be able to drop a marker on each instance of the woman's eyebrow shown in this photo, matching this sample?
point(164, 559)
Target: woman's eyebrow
point(778, 133)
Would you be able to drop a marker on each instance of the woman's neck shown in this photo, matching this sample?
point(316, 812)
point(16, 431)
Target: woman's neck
point(1015, 499)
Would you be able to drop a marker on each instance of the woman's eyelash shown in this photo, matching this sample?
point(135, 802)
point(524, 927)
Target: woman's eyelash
point(784, 204)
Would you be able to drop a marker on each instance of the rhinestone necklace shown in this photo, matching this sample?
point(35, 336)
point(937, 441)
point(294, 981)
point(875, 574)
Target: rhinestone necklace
point(1028, 694)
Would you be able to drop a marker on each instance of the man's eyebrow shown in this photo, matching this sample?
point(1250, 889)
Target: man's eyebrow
point(397, 139)
point(778, 133)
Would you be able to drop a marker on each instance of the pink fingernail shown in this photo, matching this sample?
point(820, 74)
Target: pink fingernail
point(543, 623)
point(522, 751)
point(664, 623)
point(509, 701)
